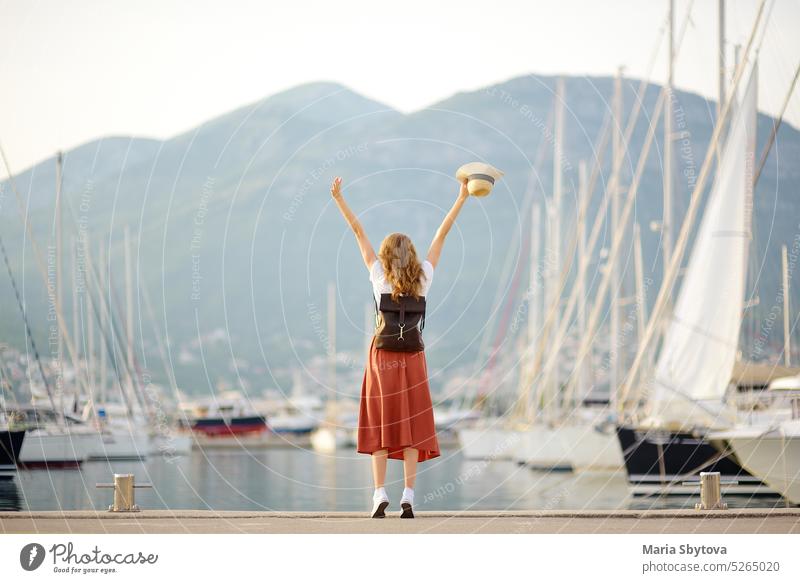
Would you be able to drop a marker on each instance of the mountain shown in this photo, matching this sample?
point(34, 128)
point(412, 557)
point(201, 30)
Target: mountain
point(234, 229)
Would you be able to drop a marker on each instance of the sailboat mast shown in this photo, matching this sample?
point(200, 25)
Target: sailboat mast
point(91, 358)
point(787, 338)
point(583, 188)
point(533, 310)
point(721, 56)
point(59, 284)
point(554, 243)
point(128, 306)
point(76, 321)
point(533, 278)
point(666, 220)
point(616, 152)
point(105, 328)
point(638, 266)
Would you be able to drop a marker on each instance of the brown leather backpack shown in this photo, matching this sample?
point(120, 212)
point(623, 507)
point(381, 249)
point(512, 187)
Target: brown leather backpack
point(398, 325)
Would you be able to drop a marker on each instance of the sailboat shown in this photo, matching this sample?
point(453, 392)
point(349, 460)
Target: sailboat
point(11, 440)
point(696, 362)
point(769, 446)
point(122, 437)
point(55, 439)
point(773, 455)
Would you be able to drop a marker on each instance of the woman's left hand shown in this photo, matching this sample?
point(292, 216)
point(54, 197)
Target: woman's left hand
point(336, 187)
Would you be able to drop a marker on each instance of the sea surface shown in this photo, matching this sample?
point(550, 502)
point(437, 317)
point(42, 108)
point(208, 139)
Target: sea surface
point(303, 480)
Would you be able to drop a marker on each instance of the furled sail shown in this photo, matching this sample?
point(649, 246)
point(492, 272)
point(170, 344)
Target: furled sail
point(702, 336)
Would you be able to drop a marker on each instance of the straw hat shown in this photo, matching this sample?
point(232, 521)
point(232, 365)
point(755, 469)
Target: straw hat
point(480, 177)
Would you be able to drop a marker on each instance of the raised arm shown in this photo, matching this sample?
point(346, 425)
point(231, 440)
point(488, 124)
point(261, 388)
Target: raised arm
point(441, 233)
point(367, 252)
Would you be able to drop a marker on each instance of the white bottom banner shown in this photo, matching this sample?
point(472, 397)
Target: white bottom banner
point(401, 558)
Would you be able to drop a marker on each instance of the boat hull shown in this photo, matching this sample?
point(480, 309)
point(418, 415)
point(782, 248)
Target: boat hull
point(658, 462)
point(218, 426)
point(57, 450)
point(591, 448)
point(10, 446)
point(487, 443)
point(120, 444)
point(263, 439)
point(544, 448)
point(775, 459)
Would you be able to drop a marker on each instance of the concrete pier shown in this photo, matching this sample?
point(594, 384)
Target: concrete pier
point(774, 521)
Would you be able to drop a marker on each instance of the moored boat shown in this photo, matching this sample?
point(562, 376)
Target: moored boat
point(10, 445)
point(768, 446)
point(222, 418)
point(661, 461)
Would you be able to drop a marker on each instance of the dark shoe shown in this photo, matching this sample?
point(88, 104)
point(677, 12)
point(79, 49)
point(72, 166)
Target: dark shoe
point(407, 511)
point(379, 508)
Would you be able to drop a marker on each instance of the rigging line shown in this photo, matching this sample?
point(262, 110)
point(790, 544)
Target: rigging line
point(776, 124)
point(109, 340)
point(701, 331)
point(138, 376)
point(698, 402)
point(60, 416)
point(113, 307)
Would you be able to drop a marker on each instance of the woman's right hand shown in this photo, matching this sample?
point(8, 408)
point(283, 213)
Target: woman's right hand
point(336, 187)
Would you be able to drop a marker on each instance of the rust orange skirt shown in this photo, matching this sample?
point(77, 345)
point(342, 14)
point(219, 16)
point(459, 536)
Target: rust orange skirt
point(396, 410)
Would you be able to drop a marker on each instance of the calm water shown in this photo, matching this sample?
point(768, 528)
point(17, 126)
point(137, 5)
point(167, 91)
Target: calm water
point(297, 479)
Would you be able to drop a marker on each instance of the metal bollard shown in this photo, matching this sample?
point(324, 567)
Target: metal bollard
point(124, 500)
point(710, 492)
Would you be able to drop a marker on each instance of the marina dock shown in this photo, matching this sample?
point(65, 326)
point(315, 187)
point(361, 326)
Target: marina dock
point(765, 521)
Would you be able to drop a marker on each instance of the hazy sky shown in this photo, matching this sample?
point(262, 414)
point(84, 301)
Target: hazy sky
point(78, 70)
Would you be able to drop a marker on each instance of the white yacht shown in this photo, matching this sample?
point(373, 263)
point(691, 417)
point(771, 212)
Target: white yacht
point(489, 438)
point(769, 446)
point(122, 437)
point(54, 441)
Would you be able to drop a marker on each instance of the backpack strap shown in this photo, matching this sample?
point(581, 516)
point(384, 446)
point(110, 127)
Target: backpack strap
point(374, 301)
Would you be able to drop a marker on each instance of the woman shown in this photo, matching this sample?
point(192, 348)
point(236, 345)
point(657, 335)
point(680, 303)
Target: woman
point(396, 414)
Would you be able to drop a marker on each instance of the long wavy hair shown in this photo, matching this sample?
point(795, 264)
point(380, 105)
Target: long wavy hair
point(401, 265)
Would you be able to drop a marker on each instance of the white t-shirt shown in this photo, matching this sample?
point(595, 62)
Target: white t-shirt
point(381, 286)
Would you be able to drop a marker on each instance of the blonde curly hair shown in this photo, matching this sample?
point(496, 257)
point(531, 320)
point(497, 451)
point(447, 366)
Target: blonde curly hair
point(402, 267)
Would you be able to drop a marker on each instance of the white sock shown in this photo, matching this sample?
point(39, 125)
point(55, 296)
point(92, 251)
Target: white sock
point(380, 493)
point(408, 494)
